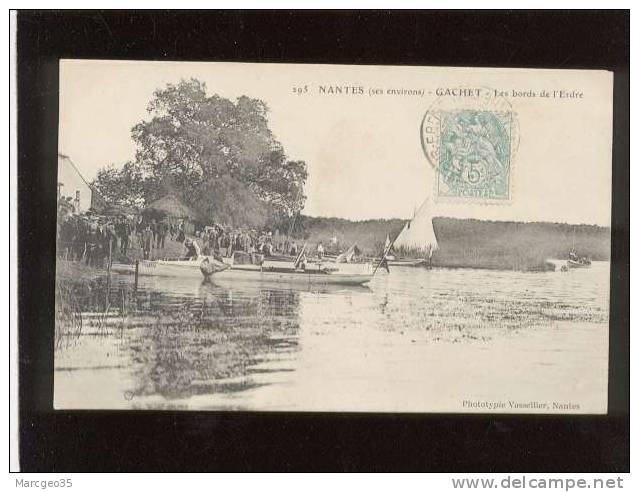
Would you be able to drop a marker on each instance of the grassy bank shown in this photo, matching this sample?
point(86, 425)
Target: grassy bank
point(463, 243)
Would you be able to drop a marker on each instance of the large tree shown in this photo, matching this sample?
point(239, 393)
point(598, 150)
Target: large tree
point(220, 156)
point(124, 186)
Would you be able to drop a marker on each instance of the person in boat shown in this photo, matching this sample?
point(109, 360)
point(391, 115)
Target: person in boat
point(191, 249)
point(320, 250)
point(302, 262)
point(268, 248)
point(293, 251)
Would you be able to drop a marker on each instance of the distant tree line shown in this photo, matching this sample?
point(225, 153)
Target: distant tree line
point(468, 242)
point(219, 156)
point(515, 245)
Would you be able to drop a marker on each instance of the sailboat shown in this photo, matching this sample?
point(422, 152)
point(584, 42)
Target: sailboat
point(417, 241)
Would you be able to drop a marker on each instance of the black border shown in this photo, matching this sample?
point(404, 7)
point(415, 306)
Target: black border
point(65, 441)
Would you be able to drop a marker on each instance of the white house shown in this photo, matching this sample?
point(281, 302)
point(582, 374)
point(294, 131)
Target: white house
point(72, 184)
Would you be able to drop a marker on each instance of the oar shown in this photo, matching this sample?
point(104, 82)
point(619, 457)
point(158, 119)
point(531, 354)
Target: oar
point(386, 251)
point(299, 256)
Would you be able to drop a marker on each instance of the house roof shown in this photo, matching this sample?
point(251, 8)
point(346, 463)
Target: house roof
point(172, 206)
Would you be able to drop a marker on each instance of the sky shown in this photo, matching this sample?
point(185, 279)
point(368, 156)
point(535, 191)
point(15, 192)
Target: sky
point(363, 152)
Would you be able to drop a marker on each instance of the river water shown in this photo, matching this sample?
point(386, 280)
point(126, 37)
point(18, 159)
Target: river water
point(414, 340)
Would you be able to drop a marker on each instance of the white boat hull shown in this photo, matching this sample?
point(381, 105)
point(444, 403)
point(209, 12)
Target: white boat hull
point(348, 274)
point(163, 268)
point(310, 278)
point(576, 264)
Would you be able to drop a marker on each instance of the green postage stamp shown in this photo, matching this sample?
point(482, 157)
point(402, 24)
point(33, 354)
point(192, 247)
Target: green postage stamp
point(471, 143)
point(474, 154)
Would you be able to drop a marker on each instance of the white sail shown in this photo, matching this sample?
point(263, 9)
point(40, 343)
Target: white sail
point(418, 234)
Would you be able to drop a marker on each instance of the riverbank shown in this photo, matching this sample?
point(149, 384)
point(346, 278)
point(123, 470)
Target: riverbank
point(463, 243)
point(470, 243)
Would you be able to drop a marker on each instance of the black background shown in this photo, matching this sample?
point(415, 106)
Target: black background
point(218, 441)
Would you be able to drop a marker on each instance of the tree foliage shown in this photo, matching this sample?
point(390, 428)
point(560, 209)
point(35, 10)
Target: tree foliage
point(126, 186)
point(220, 156)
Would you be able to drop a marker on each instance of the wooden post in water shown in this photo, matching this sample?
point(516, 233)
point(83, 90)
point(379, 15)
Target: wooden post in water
point(108, 289)
point(137, 266)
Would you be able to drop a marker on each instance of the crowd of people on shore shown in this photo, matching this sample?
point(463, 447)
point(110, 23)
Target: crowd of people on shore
point(96, 239)
point(224, 241)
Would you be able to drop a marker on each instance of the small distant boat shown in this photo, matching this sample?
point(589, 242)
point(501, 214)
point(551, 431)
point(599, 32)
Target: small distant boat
point(405, 262)
point(580, 263)
point(574, 260)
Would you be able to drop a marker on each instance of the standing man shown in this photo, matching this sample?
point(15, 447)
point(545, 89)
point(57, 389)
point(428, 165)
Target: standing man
point(161, 235)
point(101, 243)
point(123, 229)
point(139, 229)
point(181, 235)
point(110, 241)
point(91, 244)
point(147, 241)
point(154, 230)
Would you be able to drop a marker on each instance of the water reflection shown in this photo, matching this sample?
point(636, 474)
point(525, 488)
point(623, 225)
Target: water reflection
point(389, 346)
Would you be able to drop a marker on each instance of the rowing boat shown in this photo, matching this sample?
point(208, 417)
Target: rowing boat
point(166, 268)
point(314, 273)
point(407, 262)
point(578, 264)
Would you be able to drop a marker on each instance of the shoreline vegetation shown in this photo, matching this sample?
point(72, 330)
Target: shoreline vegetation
point(472, 243)
point(463, 243)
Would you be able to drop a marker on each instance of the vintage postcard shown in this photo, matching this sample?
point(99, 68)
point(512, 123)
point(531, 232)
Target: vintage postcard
point(279, 237)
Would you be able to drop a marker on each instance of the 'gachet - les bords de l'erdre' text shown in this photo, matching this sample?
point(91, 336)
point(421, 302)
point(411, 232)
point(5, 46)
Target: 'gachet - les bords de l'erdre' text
point(457, 92)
